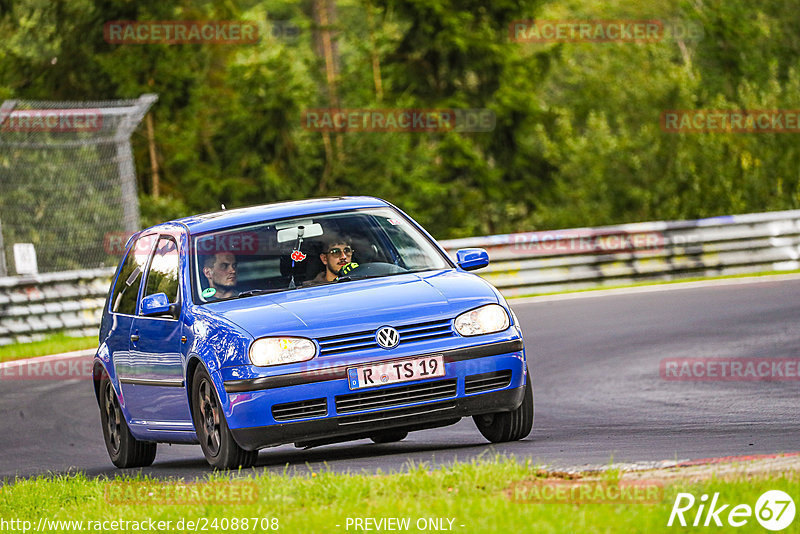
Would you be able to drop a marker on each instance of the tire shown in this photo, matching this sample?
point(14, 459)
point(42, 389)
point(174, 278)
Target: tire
point(216, 440)
point(124, 450)
point(390, 436)
point(508, 426)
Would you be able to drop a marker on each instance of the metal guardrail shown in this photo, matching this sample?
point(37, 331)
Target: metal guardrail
point(544, 262)
point(521, 264)
point(33, 306)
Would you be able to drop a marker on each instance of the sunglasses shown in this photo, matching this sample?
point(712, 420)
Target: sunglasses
point(337, 251)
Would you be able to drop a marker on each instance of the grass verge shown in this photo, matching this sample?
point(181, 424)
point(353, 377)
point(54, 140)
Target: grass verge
point(54, 344)
point(463, 497)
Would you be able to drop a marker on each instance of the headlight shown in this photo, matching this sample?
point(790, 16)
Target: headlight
point(279, 350)
point(483, 320)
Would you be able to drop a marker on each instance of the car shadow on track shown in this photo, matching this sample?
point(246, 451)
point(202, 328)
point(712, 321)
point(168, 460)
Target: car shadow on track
point(355, 457)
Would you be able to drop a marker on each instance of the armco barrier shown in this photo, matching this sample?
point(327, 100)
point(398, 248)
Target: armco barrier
point(544, 262)
point(69, 302)
point(521, 264)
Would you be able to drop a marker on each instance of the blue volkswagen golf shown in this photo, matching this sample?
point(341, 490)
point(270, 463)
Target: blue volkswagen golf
point(309, 322)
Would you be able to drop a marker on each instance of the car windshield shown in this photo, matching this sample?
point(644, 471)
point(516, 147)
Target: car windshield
point(309, 251)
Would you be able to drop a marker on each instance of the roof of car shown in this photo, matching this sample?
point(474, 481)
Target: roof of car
point(207, 222)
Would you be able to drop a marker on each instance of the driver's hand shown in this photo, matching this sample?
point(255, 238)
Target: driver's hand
point(347, 268)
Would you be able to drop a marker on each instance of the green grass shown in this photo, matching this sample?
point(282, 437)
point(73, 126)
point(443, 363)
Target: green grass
point(476, 495)
point(53, 344)
point(657, 283)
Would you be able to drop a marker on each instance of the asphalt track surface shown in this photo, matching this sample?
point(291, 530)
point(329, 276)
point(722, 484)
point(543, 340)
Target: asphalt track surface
point(598, 394)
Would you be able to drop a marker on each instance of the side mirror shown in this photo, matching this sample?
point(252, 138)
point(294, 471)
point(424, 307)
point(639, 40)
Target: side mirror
point(470, 259)
point(158, 304)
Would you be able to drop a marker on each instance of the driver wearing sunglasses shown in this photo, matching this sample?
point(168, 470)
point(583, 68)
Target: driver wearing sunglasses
point(337, 253)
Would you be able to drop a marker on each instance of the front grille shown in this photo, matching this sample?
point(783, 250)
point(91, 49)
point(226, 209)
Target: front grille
point(487, 381)
point(366, 340)
point(397, 396)
point(300, 409)
point(412, 414)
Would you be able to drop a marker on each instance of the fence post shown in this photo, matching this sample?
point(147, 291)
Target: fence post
point(5, 110)
point(127, 173)
point(3, 268)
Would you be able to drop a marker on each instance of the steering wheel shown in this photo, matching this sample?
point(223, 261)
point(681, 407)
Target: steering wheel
point(373, 269)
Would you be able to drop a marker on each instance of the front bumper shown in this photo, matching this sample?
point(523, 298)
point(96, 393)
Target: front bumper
point(317, 406)
point(346, 428)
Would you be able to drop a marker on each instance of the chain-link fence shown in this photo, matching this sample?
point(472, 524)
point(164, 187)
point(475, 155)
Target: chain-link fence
point(67, 180)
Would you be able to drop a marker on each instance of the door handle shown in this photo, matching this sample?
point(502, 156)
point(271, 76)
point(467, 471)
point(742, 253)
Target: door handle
point(135, 337)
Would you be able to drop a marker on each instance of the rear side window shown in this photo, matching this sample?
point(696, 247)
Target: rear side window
point(163, 274)
point(127, 287)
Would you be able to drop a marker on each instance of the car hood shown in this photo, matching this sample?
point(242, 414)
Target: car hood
point(358, 305)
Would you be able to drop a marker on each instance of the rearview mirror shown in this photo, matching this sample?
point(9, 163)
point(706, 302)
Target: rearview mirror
point(305, 231)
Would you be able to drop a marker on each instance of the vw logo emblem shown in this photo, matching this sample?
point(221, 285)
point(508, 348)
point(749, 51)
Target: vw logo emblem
point(387, 337)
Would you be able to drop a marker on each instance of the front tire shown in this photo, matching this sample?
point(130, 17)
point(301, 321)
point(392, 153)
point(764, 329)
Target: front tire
point(124, 450)
point(509, 426)
point(216, 440)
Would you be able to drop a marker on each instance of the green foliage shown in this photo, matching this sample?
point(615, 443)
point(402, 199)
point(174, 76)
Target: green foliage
point(577, 140)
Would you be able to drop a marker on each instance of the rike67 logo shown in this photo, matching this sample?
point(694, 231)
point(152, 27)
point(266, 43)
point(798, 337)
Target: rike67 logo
point(774, 510)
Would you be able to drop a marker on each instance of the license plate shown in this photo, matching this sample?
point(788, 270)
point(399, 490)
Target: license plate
point(393, 372)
